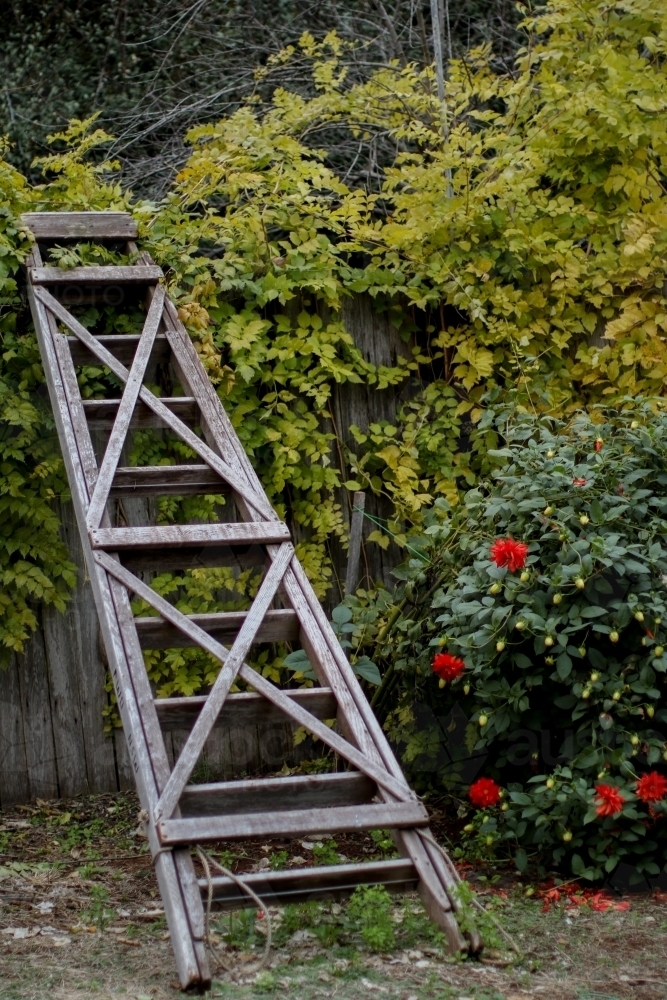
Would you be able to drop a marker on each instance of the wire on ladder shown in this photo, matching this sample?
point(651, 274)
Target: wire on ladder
point(207, 861)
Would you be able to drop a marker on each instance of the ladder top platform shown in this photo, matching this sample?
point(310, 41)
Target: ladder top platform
point(81, 225)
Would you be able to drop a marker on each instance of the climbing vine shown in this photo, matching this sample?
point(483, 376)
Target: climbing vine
point(517, 235)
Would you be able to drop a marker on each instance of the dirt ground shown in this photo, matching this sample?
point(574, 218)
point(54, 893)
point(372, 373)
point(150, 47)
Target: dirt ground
point(80, 917)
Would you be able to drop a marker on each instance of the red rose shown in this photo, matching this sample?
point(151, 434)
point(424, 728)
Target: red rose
point(448, 667)
point(651, 787)
point(484, 793)
point(608, 800)
point(579, 482)
point(508, 552)
point(598, 444)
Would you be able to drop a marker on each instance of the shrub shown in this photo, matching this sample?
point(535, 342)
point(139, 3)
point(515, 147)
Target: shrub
point(564, 649)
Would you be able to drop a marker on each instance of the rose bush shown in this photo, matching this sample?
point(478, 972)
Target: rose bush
point(550, 583)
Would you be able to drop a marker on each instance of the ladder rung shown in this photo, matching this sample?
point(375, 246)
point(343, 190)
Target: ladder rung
point(296, 823)
point(277, 795)
point(168, 560)
point(244, 709)
point(185, 535)
point(325, 882)
point(81, 225)
point(138, 274)
point(166, 480)
point(122, 345)
point(101, 413)
point(281, 625)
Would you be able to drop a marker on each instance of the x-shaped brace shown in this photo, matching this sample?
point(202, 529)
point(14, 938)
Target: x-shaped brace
point(252, 677)
point(237, 483)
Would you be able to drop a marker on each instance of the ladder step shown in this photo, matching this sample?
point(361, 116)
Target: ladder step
point(122, 345)
point(277, 795)
point(138, 274)
point(295, 823)
point(169, 560)
point(244, 709)
point(81, 225)
point(325, 882)
point(101, 413)
point(281, 625)
point(185, 535)
point(166, 480)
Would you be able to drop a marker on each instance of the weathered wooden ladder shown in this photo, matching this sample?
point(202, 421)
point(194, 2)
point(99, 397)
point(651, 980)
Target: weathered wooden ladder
point(373, 793)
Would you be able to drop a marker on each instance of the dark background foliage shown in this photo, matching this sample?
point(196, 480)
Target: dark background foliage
point(153, 69)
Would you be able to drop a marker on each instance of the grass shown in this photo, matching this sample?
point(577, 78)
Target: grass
point(80, 917)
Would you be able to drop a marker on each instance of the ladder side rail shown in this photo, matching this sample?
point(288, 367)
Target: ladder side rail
point(222, 436)
point(437, 885)
point(176, 868)
point(437, 882)
point(216, 424)
point(295, 582)
point(79, 459)
point(221, 430)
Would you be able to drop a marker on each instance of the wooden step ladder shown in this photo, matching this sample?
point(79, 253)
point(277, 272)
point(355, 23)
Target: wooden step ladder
point(373, 793)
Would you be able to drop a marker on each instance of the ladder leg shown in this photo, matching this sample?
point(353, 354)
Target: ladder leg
point(174, 869)
point(188, 950)
point(176, 876)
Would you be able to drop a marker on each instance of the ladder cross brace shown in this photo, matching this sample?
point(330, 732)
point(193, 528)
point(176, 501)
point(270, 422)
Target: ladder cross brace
point(133, 386)
point(169, 418)
point(291, 708)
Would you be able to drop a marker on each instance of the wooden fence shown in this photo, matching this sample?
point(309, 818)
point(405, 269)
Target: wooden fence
point(52, 697)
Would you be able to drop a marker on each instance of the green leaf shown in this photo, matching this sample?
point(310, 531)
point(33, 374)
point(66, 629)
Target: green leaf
point(298, 662)
point(596, 658)
point(563, 666)
point(341, 615)
point(597, 514)
point(365, 668)
point(577, 864)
